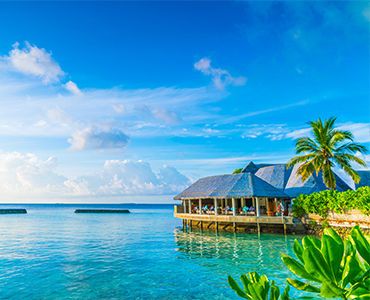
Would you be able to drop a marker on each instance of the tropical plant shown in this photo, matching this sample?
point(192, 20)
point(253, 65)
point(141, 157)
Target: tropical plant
point(257, 288)
point(328, 148)
point(237, 171)
point(339, 202)
point(331, 267)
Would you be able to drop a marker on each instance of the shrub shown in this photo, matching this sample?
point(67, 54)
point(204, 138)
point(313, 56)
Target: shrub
point(320, 203)
point(313, 222)
point(324, 224)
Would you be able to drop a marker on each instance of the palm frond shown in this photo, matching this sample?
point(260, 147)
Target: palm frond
point(306, 170)
point(351, 147)
point(344, 164)
point(328, 176)
point(299, 159)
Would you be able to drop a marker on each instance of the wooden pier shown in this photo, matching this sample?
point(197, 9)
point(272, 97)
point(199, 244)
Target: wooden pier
point(13, 211)
point(102, 211)
point(240, 222)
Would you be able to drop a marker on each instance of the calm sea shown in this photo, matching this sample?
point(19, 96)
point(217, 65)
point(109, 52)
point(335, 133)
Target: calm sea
point(53, 253)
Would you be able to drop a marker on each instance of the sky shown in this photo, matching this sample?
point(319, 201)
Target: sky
point(123, 101)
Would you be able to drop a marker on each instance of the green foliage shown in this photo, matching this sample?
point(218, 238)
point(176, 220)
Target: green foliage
point(332, 263)
point(320, 203)
point(324, 224)
point(313, 222)
point(330, 267)
point(237, 171)
point(257, 288)
point(329, 147)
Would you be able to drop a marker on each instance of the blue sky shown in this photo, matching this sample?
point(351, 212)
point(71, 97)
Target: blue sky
point(133, 101)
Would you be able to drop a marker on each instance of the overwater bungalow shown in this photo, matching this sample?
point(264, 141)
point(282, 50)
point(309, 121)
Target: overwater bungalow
point(260, 194)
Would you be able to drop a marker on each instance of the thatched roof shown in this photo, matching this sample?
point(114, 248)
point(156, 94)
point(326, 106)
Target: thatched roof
point(242, 185)
point(287, 181)
point(365, 178)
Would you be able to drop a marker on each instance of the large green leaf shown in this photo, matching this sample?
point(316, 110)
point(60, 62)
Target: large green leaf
point(350, 271)
point(297, 268)
point(285, 296)
point(309, 241)
point(362, 244)
point(333, 253)
point(298, 250)
point(299, 285)
point(331, 232)
point(254, 277)
point(330, 290)
point(234, 285)
point(245, 282)
point(315, 264)
point(274, 291)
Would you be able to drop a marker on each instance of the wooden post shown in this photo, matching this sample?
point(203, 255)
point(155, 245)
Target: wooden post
point(215, 201)
point(189, 206)
point(234, 212)
point(258, 207)
point(284, 228)
point(184, 203)
point(258, 228)
point(200, 205)
point(190, 223)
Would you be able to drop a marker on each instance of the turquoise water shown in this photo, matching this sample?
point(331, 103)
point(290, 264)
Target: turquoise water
point(53, 253)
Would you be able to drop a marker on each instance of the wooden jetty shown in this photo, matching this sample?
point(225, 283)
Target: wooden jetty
point(13, 211)
point(102, 211)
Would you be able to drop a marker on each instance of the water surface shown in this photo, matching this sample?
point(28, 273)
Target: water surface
point(53, 253)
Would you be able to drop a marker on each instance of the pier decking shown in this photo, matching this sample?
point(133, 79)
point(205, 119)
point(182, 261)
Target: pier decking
point(13, 211)
point(102, 211)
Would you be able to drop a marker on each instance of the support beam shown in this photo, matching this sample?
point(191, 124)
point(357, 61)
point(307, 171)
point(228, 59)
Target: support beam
point(189, 206)
point(200, 206)
point(227, 225)
point(258, 207)
point(184, 203)
point(216, 212)
point(258, 228)
point(209, 225)
point(234, 210)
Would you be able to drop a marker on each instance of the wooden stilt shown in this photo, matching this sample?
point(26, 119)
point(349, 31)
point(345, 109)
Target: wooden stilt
point(284, 228)
point(190, 223)
point(209, 225)
point(216, 224)
point(258, 228)
point(234, 225)
point(227, 225)
point(201, 224)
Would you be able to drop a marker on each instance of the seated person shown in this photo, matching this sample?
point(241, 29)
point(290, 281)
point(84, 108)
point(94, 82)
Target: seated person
point(252, 210)
point(244, 210)
point(205, 208)
point(227, 208)
point(195, 209)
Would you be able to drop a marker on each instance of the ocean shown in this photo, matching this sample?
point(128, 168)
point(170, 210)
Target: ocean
point(53, 253)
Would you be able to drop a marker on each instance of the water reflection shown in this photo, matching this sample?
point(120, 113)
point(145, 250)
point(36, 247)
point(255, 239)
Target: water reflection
point(236, 253)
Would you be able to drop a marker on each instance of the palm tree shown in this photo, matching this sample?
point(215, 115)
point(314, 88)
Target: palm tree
point(329, 147)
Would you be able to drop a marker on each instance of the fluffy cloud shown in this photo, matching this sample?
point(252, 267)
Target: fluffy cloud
point(34, 61)
point(21, 174)
point(129, 178)
point(159, 113)
point(120, 108)
point(27, 175)
point(89, 138)
point(221, 78)
point(72, 87)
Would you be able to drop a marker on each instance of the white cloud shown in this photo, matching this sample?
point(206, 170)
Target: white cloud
point(34, 61)
point(295, 134)
point(159, 113)
point(28, 176)
point(58, 115)
point(89, 138)
point(361, 131)
point(22, 174)
point(221, 78)
point(129, 178)
point(120, 108)
point(72, 87)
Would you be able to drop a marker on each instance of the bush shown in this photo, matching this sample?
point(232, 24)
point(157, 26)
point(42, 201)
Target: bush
point(313, 222)
point(324, 224)
point(320, 203)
